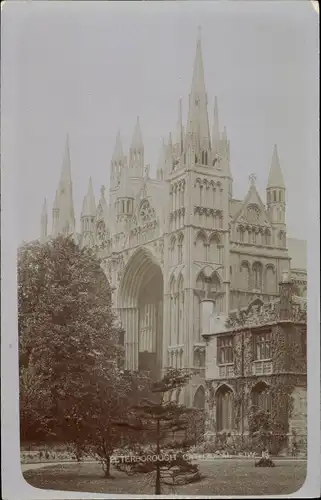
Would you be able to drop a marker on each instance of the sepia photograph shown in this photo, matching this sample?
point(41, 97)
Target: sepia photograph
point(157, 160)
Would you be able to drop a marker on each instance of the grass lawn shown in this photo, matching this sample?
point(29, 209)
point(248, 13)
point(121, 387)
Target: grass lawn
point(223, 477)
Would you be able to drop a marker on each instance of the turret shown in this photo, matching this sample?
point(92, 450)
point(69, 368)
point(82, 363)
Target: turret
point(179, 136)
point(160, 171)
point(197, 141)
point(275, 195)
point(88, 215)
point(118, 162)
point(63, 209)
point(216, 130)
point(55, 216)
point(44, 222)
point(136, 153)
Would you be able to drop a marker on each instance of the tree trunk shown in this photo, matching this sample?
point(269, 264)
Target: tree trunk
point(106, 467)
point(158, 481)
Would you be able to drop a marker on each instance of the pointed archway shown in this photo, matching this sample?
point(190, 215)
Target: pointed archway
point(140, 305)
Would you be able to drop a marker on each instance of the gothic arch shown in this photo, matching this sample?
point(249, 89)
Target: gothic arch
point(224, 386)
point(245, 270)
point(201, 245)
point(141, 266)
point(270, 278)
point(260, 396)
point(224, 397)
point(199, 398)
point(180, 242)
point(257, 273)
point(214, 249)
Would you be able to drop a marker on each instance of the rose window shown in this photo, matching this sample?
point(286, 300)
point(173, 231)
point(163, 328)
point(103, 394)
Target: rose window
point(146, 212)
point(253, 213)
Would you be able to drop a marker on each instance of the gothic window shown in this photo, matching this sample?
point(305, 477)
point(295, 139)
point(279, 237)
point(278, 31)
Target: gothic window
point(270, 280)
point(261, 397)
point(253, 213)
point(267, 237)
point(180, 249)
point(172, 250)
point(201, 247)
point(197, 316)
point(257, 275)
point(199, 398)
point(274, 195)
point(172, 311)
point(225, 350)
point(254, 237)
point(282, 239)
point(201, 195)
point(146, 212)
point(214, 249)
point(214, 195)
point(245, 275)
point(180, 319)
point(241, 234)
point(269, 197)
point(262, 345)
point(224, 409)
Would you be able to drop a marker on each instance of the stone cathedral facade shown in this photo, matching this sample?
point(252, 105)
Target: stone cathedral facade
point(170, 241)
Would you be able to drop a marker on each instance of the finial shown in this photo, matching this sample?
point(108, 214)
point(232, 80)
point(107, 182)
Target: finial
point(252, 179)
point(102, 191)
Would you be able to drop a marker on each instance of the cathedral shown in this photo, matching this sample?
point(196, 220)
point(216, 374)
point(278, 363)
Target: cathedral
point(170, 242)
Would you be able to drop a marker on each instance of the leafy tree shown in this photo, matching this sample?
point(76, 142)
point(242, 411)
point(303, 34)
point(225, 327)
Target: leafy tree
point(68, 337)
point(159, 420)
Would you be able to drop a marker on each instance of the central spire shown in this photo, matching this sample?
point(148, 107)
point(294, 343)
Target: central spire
point(197, 130)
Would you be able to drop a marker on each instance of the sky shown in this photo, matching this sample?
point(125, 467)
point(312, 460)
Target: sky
point(90, 68)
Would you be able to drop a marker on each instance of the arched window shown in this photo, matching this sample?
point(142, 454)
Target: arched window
point(180, 318)
point(245, 276)
point(199, 398)
point(224, 409)
point(197, 314)
point(201, 247)
point(257, 275)
point(274, 195)
point(270, 279)
point(172, 250)
point(269, 197)
point(214, 253)
point(267, 237)
point(180, 249)
point(261, 397)
point(172, 311)
point(201, 195)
